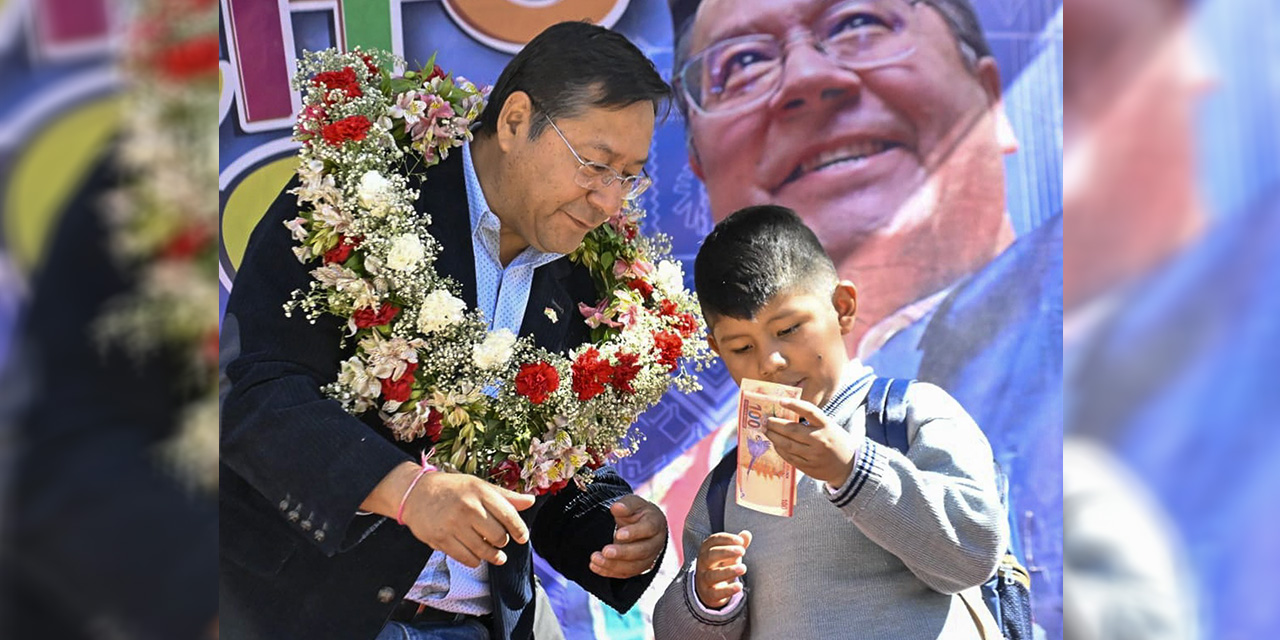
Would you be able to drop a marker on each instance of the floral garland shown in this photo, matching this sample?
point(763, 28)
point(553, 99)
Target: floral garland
point(162, 223)
point(489, 404)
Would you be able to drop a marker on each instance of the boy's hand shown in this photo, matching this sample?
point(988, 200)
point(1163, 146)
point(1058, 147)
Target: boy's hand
point(719, 568)
point(820, 448)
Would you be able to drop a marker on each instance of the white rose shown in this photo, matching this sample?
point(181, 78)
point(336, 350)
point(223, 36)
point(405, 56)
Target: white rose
point(440, 310)
point(496, 349)
point(406, 252)
point(669, 277)
point(374, 192)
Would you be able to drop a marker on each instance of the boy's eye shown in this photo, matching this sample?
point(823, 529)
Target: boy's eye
point(789, 330)
point(741, 350)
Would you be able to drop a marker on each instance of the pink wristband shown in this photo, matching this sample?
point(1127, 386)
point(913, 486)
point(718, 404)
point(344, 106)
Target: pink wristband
point(426, 468)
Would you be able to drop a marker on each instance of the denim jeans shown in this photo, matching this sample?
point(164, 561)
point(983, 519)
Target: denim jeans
point(465, 630)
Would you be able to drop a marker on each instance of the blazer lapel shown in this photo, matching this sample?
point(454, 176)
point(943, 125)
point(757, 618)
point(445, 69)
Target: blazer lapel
point(444, 197)
point(550, 291)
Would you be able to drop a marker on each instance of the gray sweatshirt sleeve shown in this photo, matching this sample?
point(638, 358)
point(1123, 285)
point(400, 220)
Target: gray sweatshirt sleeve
point(936, 508)
point(677, 616)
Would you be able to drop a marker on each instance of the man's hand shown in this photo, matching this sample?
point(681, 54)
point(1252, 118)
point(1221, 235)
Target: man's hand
point(465, 517)
point(462, 516)
point(638, 539)
point(820, 448)
point(720, 568)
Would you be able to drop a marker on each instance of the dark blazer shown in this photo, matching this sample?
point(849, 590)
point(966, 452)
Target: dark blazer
point(297, 562)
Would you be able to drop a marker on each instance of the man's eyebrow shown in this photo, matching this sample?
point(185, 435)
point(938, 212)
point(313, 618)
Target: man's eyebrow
point(612, 156)
point(739, 26)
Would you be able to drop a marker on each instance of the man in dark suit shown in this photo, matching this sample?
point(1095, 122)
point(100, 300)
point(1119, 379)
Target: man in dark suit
point(563, 140)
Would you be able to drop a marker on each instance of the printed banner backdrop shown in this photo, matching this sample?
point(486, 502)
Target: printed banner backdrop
point(57, 112)
point(261, 39)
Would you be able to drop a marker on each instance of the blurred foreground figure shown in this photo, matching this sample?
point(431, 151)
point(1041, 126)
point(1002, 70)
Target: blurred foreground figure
point(1170, 335)
point(110, 528)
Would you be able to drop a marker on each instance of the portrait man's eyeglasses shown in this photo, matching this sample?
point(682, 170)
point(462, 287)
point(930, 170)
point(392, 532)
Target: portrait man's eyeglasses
point(738, 73)
point(593, 175)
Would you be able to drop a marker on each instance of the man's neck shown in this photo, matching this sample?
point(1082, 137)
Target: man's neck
point(892, 272)
point(487, 158)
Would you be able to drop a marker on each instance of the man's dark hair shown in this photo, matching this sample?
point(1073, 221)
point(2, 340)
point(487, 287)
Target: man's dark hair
point(959, 14)
point(752, 256)
point(574, 66)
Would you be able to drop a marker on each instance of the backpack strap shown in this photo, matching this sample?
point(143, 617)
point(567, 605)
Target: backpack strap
point(887, 412)
point(718, 488)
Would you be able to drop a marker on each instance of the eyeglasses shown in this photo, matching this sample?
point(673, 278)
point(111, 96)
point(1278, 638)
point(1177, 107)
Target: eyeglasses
point(593, 175)
point(737, 73)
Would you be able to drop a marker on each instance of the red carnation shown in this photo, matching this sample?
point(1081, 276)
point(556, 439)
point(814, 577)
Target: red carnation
point(366, 318)
point(667, 308)
point(341, 251)
point(210, 350)
point(400, 388)
point(435, 421)
point(190, 58)
point(506, 475)
point(597, 459)
point(350, 128)
point(668, 346)
point(536, 381)
point(624, 373)
point(436, 72)
point(187, 243)
point(590, 374)
point(344, 79)
point(369, 65)
point(687, 325)
point(554, 488)
point(642, 286)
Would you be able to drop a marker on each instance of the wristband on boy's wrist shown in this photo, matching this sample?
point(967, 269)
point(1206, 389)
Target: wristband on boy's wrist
point(427, 467)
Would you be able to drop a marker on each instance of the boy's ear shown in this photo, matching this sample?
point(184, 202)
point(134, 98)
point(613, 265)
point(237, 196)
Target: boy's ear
point(711, 342)
point(845, 301)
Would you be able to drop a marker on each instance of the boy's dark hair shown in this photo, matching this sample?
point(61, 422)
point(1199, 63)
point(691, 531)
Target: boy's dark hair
point(571, 67)
point(752, 256)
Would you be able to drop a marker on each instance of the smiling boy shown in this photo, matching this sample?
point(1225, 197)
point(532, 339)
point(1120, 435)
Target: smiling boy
point(880, 542)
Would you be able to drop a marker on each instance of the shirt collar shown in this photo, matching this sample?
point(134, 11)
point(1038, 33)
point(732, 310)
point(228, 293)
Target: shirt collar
point(880, 333)
point(855, 378)
point(486, 227)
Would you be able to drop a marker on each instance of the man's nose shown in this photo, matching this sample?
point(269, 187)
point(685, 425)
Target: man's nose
point(811, 76)
point(606, 201)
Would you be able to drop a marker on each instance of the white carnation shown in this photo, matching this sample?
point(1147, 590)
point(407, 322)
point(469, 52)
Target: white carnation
point(668, 277)
point(496, 349)
point(375, 192)
point(406, 252)
point(439, 310)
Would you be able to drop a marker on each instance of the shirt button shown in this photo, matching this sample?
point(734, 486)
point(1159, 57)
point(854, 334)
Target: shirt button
point(284, 505)
point(319, 536)
point(294, 515)
point(386, 595)
point(306, 525)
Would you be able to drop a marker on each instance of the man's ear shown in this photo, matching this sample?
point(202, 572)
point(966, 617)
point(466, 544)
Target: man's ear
point(845, 301)
point(514, 119)
point(989, 77)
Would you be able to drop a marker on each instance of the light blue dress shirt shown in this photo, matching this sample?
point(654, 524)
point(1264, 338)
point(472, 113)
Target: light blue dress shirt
point(502, 293)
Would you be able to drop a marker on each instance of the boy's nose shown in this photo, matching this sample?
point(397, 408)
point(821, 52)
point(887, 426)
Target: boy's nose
point(772, 364)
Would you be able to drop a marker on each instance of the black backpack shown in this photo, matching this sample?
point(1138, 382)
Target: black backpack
point(1007, 594)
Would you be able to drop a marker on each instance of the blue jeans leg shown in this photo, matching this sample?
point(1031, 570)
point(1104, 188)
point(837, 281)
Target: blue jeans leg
point(465, 630)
